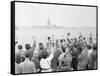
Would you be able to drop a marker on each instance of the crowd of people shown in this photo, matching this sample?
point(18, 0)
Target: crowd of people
point(69, 54)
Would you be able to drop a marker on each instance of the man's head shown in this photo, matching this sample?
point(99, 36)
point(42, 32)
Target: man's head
point(20, 47)
point(45, 55)
point(75, 39)
point(16, 42)
point(68, 34)
point(41, 47)
point(18, 58)
point(89, 46)
point(49, 38)
point(94, 47)
point(83, 38)
point(27, 54)
point(27, 46)
point(90, 39)
point(61, 41)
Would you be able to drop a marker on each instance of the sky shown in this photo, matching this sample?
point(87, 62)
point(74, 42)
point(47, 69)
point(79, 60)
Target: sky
point(31, 14)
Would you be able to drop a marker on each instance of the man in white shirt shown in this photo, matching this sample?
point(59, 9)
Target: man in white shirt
point(45, 62)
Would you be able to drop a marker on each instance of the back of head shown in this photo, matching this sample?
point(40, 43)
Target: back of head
point(20, 47)
point(18, 58)
point(41, 47)
point(49, 38)
point(43, 54)
point(94, 47)
point(75, 45)
point(61, 41)
point(16, 42)
point(83, 38)
point(68, 34)
point(75, 39)
point(27, 46)
point(27, 54)
point(90, 38)
point(89, 46)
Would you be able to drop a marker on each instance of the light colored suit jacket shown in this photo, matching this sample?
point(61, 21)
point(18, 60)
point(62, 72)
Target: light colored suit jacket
point(27, 67)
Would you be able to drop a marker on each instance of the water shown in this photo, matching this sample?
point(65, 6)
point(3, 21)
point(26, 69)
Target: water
point(24, 35)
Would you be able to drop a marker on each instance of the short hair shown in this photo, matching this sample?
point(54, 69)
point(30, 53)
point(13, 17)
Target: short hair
point(75, 39)
point(84, 38)
point(44, 54)
point(94, 47)
point(68, 33)
point(75, 45)
point(90, 38)
point(16, 42)
point(40, 43)
point(27, 46)
point(49, 38)
point(27, 54)
point(61, 41)
point(20, 47)
point(18, 58)
point(89, 46)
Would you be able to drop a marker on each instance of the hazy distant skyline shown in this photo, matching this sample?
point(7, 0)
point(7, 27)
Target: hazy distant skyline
point(31, 14)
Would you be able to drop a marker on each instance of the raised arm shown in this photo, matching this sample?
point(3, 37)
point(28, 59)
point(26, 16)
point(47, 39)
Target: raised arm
point(51, 55)
point(34, 44)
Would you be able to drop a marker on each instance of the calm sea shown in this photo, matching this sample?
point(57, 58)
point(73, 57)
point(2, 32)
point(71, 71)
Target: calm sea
point(24, 35)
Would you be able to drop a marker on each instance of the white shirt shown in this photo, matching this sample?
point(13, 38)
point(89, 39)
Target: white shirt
point(46, 63)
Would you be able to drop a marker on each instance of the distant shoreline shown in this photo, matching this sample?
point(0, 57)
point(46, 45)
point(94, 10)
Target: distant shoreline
point(51, 27)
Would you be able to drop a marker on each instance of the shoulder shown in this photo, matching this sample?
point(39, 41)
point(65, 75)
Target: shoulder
point(30, 63)
point(21, 64)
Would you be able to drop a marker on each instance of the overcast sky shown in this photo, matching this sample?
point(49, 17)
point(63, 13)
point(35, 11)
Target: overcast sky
point(31, 14)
